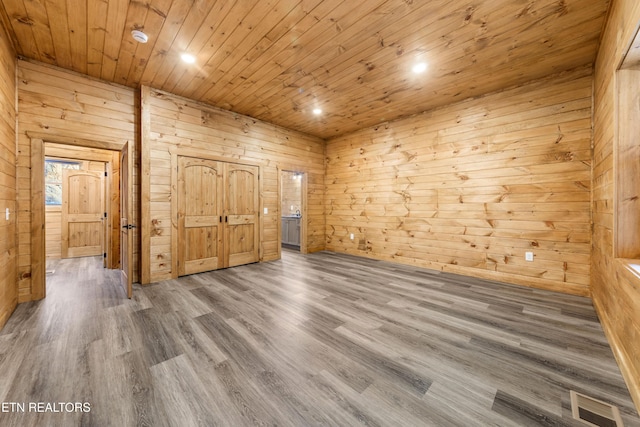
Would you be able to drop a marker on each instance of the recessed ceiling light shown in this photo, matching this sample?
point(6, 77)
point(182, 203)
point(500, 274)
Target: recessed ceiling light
point(419, 68)
point(317, 111)
point(188, 58)
point(139, 36)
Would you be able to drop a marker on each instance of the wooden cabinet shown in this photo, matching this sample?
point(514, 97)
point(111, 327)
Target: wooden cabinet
point(291, 231)
point(218, 223)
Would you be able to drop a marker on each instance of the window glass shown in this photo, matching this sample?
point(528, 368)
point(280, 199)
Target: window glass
point(53, 180)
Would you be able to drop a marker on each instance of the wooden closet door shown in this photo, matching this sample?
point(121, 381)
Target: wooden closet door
point(199, 215)
point(242, 204)
point(82, 213)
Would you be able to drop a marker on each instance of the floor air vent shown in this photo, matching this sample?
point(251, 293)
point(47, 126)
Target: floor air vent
point(594, 412)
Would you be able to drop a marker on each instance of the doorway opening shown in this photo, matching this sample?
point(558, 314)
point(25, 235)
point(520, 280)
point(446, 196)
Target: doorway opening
point(81, 206)
point(76, 209)
point(292, 210)
point(76, 215)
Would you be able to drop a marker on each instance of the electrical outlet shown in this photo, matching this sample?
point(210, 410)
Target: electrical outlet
point(351, 236)
point(528, 256)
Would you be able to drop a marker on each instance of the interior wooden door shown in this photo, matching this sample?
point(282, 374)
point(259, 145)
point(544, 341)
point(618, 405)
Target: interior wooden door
point(82, 213)
point(242, 204)
point(106, 229)
point(126, 227)
point(199, 215)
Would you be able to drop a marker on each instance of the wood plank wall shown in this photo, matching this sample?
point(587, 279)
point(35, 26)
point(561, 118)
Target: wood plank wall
point(615, 290)
point(178, 123)
point(8, 241)
point(470, 187)
point(53, 232)
point(68, 107)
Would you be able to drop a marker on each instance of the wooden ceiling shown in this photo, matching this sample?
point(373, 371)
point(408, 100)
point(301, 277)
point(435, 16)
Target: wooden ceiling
point(277, 60)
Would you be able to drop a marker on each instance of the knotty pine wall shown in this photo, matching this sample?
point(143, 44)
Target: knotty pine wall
point(171, 122)
point(470, 187)
point(67, 107)
point(8, 241)
point(615, 290)
point(53, 232)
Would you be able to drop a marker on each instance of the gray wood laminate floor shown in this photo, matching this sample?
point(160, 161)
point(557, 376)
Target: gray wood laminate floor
point(323, 339)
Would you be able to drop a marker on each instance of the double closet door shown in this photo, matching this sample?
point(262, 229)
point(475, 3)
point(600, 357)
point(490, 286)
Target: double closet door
point(218, 223)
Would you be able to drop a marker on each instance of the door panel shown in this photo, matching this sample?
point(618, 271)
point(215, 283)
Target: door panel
point(242, 200)
point(199, 215)
point(126, 232)
point(82, 213)
point(106, 229)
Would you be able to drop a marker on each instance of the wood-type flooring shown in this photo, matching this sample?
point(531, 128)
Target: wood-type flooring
point(322, 339)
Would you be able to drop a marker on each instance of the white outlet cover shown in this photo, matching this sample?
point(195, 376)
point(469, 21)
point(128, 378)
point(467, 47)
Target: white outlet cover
point(528, 256)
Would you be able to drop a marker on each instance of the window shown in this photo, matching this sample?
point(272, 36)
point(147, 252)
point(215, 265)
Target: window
point(53, 180)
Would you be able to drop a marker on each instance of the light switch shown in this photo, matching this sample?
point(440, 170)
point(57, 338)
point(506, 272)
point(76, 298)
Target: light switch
point(351, 236)
point(528, 256)
point(266, 211)
point(6, 214)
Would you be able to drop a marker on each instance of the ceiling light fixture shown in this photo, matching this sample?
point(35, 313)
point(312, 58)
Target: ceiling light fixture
point(419, 68)
point(188, 58)
point(139, 36)
point(317, 111)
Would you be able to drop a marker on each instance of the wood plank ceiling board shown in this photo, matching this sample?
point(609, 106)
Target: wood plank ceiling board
point(278, 60)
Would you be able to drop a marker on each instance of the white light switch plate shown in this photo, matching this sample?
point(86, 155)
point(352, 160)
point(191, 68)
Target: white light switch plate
point(528, 256)
point(6, 215)
point(266, 211)
point(351, 236)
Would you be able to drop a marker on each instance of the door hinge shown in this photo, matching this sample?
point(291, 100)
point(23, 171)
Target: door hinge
point(105, 173)
point(104, 255)
point(105, 214)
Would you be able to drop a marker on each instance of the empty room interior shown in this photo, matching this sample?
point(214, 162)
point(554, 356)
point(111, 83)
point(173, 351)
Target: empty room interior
point(320, 212)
